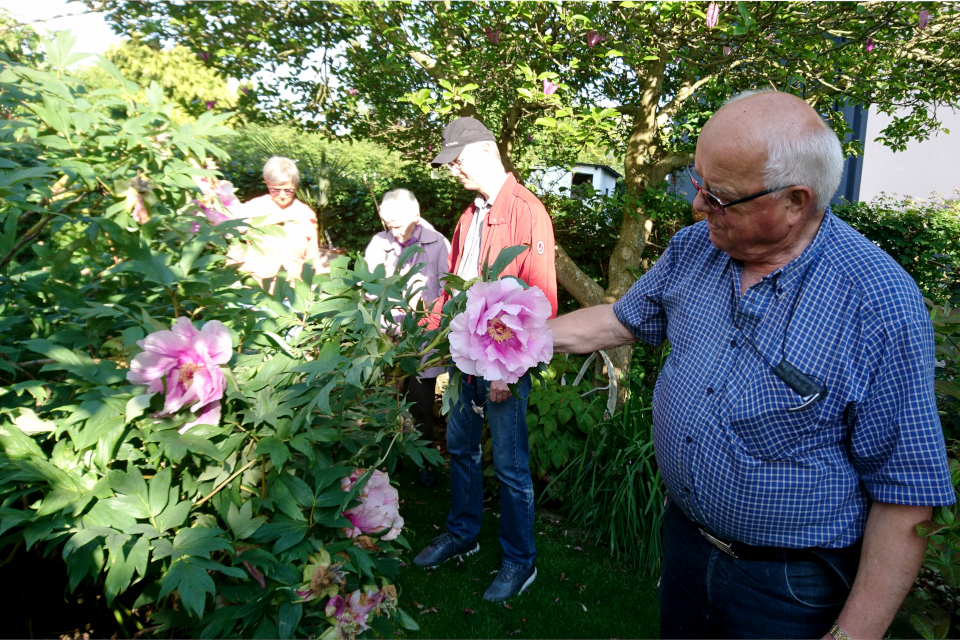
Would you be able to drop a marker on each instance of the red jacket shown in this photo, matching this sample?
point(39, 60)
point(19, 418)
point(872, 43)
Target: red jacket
point(517, 217)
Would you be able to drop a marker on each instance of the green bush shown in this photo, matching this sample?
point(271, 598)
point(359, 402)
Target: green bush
point(558, 418)
point(921, 235)
point(614, 490)
point(227, 529)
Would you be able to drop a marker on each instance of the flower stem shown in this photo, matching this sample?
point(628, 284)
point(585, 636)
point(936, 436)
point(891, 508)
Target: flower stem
point(436, 341)
point(225, 483)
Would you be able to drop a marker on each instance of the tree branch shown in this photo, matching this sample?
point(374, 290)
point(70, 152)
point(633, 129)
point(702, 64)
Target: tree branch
point(578, 284)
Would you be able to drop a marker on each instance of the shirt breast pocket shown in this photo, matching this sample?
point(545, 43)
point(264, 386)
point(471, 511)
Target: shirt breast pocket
point(766, 427)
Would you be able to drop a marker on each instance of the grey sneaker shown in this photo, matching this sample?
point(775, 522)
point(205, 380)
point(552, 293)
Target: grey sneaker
point(444, 547)
point(510, 581)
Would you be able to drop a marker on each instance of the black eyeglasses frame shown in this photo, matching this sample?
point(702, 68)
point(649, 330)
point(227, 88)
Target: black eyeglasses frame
point(719, 207)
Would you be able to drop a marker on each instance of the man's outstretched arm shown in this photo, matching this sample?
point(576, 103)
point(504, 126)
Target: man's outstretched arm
point(588, 330)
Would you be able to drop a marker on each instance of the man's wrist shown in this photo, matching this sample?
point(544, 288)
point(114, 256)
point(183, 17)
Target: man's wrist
point(837, 632)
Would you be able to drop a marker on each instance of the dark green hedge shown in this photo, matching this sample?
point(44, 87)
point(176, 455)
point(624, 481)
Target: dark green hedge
point(921, 235)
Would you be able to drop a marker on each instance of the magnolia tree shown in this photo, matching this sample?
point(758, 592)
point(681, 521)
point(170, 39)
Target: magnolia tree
point(639, 77)
point(198, 449)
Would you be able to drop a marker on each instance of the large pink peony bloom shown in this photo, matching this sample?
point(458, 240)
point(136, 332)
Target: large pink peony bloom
point(379, 507)
point(188, 361)
point(503, 331)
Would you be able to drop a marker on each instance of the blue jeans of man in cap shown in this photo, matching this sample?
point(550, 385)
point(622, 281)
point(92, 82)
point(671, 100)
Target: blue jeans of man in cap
point(508, 429)
point(705, 593)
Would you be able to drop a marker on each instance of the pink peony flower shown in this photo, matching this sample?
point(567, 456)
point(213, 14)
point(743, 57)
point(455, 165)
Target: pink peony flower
point(379, 506)
point(502, 332)
point(713, 14)
point(188, 362)
point(549, 88)
point(352, 91)
point(493, 35)
point(216, 191)
point(869, 45)
point(924, 16)
point(593, 38)
point(211, 104)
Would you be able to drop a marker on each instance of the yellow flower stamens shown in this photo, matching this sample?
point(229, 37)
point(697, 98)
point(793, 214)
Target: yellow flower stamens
point(186, 373)
point(498, 331)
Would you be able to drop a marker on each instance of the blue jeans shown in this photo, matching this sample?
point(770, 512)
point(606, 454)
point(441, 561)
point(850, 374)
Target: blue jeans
point(705, 593)
point(511, 461)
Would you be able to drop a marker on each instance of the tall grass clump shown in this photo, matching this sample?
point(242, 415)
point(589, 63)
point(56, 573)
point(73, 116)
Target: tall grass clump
point(613, 489)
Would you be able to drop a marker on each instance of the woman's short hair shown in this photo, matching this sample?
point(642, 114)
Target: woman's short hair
point(813, 159)
point(279, 170)
point(399, 203)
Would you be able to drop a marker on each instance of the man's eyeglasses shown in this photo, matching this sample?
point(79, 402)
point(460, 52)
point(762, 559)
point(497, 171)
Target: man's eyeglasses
point(275, 192)
point(455, 164)
point(719, 207)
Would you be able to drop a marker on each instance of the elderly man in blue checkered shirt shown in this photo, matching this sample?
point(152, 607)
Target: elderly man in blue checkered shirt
point(794, 421)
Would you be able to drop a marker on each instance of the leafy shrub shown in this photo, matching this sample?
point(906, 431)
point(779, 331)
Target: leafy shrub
point(558, 418)
point(613, 489)
point(228, 529)
point(921, 235)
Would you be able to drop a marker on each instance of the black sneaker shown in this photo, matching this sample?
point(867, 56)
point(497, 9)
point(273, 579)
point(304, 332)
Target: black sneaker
point(510, 581)
point(444, 547)
point(427, 478)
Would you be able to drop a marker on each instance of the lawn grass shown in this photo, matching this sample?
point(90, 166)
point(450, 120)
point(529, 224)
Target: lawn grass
point(579, 592)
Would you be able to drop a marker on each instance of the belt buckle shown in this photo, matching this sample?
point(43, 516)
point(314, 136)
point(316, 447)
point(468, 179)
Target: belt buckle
point(726, 547)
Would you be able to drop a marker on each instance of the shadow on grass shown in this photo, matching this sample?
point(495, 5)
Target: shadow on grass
point(579, 592)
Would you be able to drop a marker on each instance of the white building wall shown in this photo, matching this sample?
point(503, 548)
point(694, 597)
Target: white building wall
point(551, 180)
point(930, 166)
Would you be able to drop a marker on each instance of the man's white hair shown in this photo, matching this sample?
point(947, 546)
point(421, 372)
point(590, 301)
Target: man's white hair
point(279, 170)
point(399, 203)
point(813, 159)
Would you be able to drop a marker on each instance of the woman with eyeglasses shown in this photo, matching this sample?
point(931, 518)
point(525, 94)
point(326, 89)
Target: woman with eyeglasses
point(264, 255)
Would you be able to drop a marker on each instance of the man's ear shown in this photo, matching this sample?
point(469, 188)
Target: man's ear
point(800, 200)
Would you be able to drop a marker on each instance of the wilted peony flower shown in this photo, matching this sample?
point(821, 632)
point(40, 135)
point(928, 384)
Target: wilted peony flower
point(502, 332)
point(321, 578)
point(727, 50)
point(593, 38)
point(924, 17)
point(493, 35)
point(378, 509)
point(188, 362)
point(713, 14)
point(203, 55)
point(140, 213)
point(869, 44)
point(211, 104)
point(246, 91)
point(549, 88)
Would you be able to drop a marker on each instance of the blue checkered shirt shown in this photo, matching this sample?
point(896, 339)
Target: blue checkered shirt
point(732, 457)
